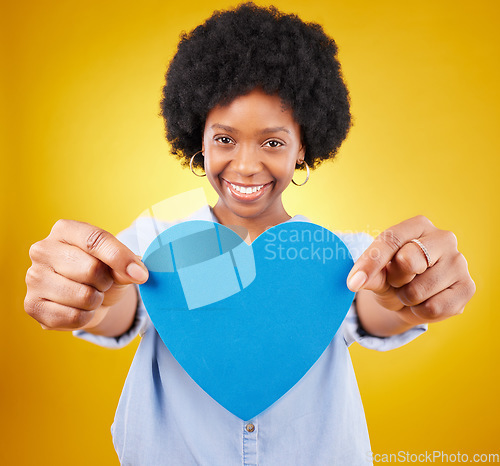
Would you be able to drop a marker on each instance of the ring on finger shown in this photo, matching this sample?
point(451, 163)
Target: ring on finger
point(424, 250)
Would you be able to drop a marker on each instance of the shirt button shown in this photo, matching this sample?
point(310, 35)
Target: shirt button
point(250, 427)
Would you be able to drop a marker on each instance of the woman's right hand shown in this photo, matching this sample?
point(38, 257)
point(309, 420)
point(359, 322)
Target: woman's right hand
point(78, 273)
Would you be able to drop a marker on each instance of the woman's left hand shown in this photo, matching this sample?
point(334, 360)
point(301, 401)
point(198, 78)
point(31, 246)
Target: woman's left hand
point(396, 269)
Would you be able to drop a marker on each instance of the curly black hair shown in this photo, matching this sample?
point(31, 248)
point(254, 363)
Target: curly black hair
point(250, 46)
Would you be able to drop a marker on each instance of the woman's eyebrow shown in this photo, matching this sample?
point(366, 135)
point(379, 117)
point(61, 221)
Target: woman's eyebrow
point(264, 131)
point(224, 127)
point(276, 129)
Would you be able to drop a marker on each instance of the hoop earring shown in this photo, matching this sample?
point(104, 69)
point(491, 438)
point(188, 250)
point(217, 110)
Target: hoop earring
point(191, 164)
point(307, 177)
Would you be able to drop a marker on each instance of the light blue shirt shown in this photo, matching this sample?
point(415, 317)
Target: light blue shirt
point(165, 418)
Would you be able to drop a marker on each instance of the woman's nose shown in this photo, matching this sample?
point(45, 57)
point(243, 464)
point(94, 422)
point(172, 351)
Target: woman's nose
point(246, 162)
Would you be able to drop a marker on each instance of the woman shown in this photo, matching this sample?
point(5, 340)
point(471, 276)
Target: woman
point(250, 96)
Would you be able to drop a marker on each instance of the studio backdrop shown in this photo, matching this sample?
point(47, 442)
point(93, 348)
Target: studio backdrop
point(82, 139)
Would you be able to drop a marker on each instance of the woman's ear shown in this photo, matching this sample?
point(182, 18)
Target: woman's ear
point(302, 154)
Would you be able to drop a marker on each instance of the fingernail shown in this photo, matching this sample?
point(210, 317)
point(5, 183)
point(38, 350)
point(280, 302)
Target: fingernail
point(357, 280)
point(137, 272)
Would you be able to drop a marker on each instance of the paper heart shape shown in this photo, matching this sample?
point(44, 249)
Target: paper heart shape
point(246, 322)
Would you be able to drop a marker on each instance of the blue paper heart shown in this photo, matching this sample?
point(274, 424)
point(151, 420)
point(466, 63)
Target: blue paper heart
point(247, 322)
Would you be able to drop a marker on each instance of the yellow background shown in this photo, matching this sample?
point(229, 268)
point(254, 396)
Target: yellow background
point(81, 139)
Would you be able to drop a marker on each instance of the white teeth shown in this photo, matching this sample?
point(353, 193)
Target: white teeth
point(245, 190)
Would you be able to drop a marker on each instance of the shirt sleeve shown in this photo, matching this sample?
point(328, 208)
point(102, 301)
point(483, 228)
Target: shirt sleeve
point(141, 322)
point(357, 243)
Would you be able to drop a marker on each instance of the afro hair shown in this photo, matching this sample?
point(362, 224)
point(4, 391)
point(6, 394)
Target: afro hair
point(250, 46)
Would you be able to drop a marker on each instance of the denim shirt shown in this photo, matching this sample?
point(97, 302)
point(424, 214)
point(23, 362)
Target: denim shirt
point(165, 418)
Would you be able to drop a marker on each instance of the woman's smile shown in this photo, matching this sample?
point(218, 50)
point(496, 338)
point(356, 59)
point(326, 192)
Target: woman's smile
point(246, 192)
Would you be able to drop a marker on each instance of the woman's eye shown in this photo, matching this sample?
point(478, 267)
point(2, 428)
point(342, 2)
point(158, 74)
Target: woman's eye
point(223, 140)
point(273, 143)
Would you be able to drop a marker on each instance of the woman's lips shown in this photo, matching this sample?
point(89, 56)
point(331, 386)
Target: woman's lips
point(246, 193)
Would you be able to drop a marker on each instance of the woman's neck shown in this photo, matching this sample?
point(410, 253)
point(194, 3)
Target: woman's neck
point(251, 227)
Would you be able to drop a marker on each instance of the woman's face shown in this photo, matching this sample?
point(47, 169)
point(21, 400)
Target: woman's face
point(251, 147)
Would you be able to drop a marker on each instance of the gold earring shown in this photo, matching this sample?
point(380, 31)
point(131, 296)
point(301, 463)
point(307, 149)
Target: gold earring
point(191, 163)
point(307, 177)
